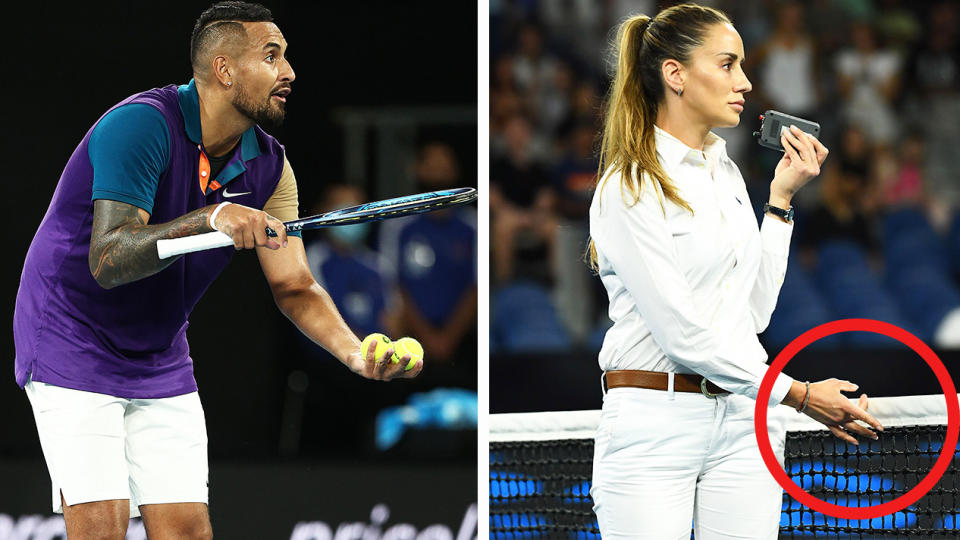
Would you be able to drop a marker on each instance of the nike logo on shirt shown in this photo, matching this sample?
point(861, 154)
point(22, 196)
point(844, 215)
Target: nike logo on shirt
point(228, 195)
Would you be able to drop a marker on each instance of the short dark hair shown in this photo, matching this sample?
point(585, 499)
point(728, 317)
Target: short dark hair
point(220, 19)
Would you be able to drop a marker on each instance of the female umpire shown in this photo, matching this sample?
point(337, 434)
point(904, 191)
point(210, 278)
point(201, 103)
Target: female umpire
point(691, 281)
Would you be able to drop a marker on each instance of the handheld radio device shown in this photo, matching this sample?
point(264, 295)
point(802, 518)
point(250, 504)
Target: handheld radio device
point(772, 123)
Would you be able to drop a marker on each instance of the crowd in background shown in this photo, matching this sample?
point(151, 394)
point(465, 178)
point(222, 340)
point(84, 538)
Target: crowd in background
point(882, 77)
point(418, 275)
point(413, 276)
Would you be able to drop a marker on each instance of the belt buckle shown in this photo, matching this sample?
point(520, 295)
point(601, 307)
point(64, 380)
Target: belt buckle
point(703, 388)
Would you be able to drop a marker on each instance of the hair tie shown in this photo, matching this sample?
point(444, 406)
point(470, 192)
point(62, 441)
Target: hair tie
point(649, 24)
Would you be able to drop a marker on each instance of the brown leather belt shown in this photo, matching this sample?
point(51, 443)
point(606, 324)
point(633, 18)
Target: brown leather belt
point(655, 380)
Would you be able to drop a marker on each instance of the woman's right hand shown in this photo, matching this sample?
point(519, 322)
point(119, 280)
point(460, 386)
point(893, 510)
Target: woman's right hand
point(830, 407)
point(802, 158)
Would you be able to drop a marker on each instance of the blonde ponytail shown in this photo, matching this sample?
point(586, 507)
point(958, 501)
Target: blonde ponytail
point(628, 148)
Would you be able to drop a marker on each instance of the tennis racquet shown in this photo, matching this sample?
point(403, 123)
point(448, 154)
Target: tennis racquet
point(361, 213)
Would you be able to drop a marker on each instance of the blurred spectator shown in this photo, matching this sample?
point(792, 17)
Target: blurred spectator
point(349, 271)
point(905, 187)
point(786, 67)
point(897, 26)
point(436, 266)
point(864, 69)
point(841, 214)
point(501, 76)
point(932, 95)
point(575, 175)
point(553, 107)
point(521, 209)
point(533, 67)
point(831, 28)
point(934, 68)
point(856, 10)
point(577, 25)
point(868, 80)
point(784, 70)
point(584, 108)
point(573, 179)
point(505, 101)
point(853, 145)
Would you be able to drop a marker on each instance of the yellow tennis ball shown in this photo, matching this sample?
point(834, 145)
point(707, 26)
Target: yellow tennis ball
point(383, 343)
point(406, 345)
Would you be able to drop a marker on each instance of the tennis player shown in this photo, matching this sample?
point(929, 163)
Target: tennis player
point(692, 280)
point(100, 322)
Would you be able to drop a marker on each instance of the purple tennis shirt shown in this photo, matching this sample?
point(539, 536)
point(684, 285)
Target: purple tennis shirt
point(129, 341)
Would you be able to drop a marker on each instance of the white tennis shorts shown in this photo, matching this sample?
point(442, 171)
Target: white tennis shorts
point(100, 447)
point(662, 461)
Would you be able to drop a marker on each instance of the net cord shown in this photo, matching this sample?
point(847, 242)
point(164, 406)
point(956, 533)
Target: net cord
point(555, 425)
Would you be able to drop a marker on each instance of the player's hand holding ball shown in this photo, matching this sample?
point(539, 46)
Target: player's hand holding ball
point(381, 348)
point(383, 359)
point(407, 347)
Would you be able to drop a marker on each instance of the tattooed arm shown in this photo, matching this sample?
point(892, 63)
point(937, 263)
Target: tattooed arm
point(123, 248)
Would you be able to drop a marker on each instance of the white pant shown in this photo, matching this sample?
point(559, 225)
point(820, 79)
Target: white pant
point(99, 447)
point(663, 459)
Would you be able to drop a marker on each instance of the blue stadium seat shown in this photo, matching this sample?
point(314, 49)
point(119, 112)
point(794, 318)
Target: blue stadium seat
point(840, 253)
point(840, 265)
point(800, 307)
point(918, 269)
point(525, 320)
point(906, 251)
point(854, 291)
point(953, 244)
point(925, 294)
point(911, 221)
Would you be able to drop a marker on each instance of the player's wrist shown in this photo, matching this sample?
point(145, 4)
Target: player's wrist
point(212, 219)
point(350, 353)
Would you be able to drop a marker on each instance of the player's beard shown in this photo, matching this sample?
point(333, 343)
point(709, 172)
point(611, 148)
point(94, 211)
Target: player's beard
point(263, 113)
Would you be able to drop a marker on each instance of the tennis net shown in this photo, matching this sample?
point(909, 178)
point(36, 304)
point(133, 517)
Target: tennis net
point(541, 465)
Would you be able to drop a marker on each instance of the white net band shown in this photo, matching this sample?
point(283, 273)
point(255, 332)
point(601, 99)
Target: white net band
point(554, 425)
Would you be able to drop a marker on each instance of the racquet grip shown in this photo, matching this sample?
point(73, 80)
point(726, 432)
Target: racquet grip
point(189, 244)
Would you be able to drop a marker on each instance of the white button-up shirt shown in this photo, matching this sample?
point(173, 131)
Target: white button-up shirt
point(689, 293)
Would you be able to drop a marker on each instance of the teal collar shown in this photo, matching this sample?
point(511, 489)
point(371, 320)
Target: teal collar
point(190, 107)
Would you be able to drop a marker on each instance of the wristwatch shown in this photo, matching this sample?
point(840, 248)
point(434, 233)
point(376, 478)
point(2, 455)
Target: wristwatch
point(779, 212)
